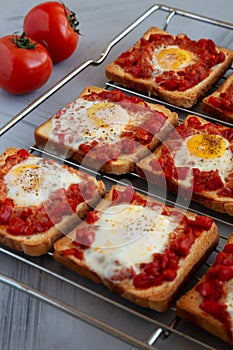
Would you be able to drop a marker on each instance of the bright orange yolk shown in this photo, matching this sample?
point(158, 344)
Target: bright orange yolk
point(173, 58)
point(206, 145)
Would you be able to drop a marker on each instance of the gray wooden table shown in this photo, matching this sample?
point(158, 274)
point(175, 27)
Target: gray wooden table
point(41, 305)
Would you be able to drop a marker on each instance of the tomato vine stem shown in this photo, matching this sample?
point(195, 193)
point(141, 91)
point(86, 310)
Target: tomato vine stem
point(23, 41)
point(72, 19)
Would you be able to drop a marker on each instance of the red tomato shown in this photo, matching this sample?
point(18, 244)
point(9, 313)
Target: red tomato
point(54, 24)
point(25, 65)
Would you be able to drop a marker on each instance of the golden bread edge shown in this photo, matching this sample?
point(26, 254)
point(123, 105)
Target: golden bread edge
point(187, 307)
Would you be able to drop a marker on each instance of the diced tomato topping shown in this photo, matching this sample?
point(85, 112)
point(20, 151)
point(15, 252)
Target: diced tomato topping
point(215, 101)
point(228, 134)
point(74, 191)
point(215, 309)
point(61, 138)
point(206, 180)
point(182, 172)
point(92, 216)
point(169, 274)
point(16, 226)
point(73, 251)
point(22, 153)
point(204, 222)
point(207, 287)
point(85, 149)
point(6, 210)
point(119, 197)
point(128, 146)
point(139, 200)
point(123, 273)
point(228, 248)
point(85, 236)
point(194, 121)
point(16, 158)
point(143, 281)
point(226, 273)
point(223, 101)
point(155, 164)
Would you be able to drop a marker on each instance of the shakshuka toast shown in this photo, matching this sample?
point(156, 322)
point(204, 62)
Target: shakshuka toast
point(209, 303)
point(40, 200)
point(147, 256)
point(196, 161)
point(175, 68)
point(106, 130)
point(220, 103)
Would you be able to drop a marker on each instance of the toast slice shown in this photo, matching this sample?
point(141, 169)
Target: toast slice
point(145, 258)
point(209, 303)
point(41, 200)
point(175, 68)
point(195, 161)
point(106, 130)
point(220, 103)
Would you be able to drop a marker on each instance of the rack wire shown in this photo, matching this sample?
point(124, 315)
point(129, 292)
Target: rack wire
point(162, 328)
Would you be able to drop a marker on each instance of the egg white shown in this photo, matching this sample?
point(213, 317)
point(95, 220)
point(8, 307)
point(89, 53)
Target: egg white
point(184, 158)
point(128, 242)
point(170, 60)
point(31, 182)
point(78, 128)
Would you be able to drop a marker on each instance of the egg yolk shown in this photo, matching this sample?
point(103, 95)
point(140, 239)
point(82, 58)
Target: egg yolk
point(174, 58)
point(103, 114)
point(27, 176)
point(20, 171)
point(206, 145)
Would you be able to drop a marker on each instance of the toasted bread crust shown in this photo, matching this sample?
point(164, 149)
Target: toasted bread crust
point(158, 298)
point(41, 243)
point(186, 98)
point(207, 199)
point(125, 163)
point(218, 112)
point(187, 307)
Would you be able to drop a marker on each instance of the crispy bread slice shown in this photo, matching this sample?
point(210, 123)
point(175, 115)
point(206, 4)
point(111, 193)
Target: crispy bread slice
point(213, 199)
point(40, 242)
point(188, 307)
point(186, 98)
point(114, 269)
point(105, 157)
point(224, 96)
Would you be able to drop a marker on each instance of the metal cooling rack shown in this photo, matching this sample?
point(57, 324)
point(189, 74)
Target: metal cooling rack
point(164, 330)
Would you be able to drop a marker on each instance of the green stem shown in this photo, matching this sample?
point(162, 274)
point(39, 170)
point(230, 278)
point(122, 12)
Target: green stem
point(23, 42)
